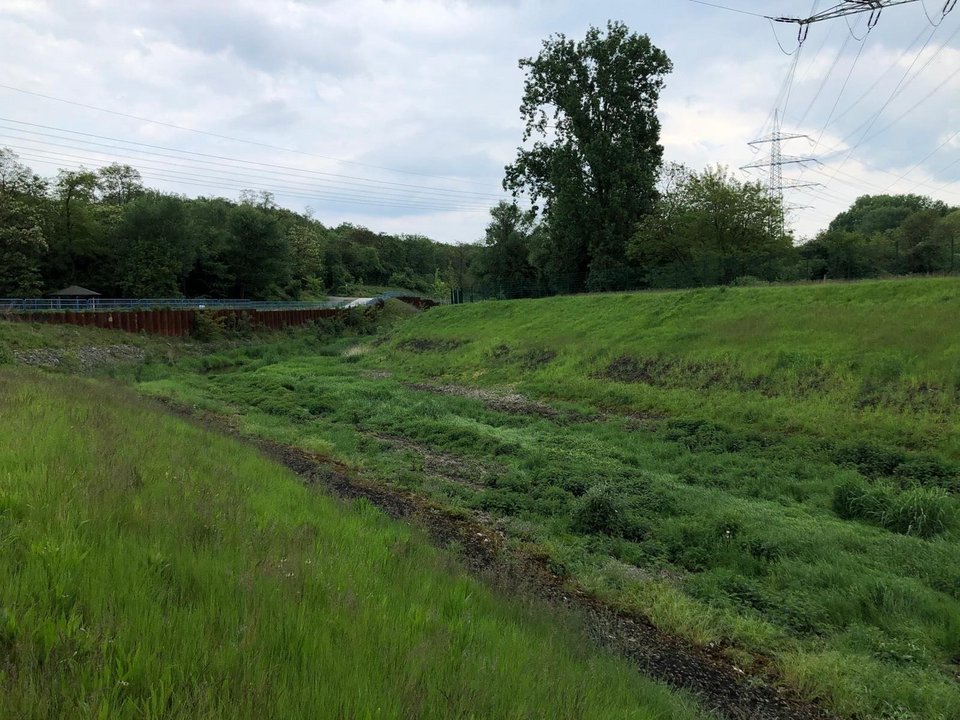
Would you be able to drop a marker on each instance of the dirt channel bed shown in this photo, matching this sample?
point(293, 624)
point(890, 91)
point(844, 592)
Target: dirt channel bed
point(719, 686)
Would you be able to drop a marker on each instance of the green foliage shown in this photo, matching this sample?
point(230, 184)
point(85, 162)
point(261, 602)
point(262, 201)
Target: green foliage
point(597, 99)
point(504, 266)
point(601, 510)
point(105, 231)
point(923, 512)
point(22, 240)
point(207, 326)
point(709, 228)
point(164, 571)
point(885, 234)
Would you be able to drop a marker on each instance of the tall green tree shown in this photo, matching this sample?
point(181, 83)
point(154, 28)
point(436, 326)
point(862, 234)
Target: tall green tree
point(504, 264)
point(258, 257)
point(155, 249)
point(871, 214)
point(119, 184)
point(590, 110)
point(22, 241)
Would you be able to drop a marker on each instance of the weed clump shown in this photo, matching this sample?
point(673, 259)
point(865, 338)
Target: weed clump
point(604, 510)
point(920, 512)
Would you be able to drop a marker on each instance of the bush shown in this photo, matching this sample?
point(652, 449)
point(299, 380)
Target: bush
point(601, 510)
point(920, 512)
point(207, 326)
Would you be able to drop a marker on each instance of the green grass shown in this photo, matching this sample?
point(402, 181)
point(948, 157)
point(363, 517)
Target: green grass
point(150, 569)
point(776, 469)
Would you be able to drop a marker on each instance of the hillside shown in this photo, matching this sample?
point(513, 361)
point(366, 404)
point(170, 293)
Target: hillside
point(879, 359)
point(768, 472)
point(152, 569)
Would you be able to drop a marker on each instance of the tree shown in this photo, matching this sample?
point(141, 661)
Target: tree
point(22, 241)
point(947, 236)
point(258, 257)
point(592, 104)
point(871, 214)
point(22, 246)
point(710, 228)
point(154, 249)
point(119, 184)
point(504, 264)
point(306, 243)
point(923, 253)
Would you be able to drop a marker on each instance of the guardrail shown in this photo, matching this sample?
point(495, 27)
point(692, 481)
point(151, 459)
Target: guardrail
point(101, 304)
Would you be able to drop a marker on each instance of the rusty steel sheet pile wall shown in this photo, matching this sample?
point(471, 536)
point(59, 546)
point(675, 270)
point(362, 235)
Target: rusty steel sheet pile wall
point(173, 323)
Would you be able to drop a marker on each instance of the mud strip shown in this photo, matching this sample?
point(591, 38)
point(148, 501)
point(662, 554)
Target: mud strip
point(511, 403)
point(452, 468)
point(718, 685)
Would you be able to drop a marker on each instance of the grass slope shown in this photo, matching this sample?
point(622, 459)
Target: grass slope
point(772, 469)
point(851, 359)
point(148, 569)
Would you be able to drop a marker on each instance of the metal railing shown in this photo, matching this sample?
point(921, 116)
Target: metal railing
point(105, 304)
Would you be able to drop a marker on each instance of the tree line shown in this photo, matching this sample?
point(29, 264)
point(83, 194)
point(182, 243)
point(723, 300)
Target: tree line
point(594, 208)
point(106, 231)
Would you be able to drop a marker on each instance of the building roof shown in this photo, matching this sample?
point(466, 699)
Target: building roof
point(74, 291)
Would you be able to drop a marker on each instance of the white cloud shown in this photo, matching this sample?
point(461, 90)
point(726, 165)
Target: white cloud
point(433, 87)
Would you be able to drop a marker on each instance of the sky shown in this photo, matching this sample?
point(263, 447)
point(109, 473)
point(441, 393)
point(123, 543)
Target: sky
point(400, 115)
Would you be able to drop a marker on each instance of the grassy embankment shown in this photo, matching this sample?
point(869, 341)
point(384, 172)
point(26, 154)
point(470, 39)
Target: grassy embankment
point(150, 569)
point(772, 468)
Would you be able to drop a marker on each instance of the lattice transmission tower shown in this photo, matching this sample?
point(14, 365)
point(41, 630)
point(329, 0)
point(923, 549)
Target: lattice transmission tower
point(774, 163)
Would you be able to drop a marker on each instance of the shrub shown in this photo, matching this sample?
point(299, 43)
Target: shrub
point(207, 326)
point(871, 460)
point(329, 327)
point(601, 510)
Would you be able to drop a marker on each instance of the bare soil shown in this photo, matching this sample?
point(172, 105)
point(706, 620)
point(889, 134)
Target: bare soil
point(505, 402)
point(423, 345)
point(86, 357)
point(452, 468)
point(719, 685)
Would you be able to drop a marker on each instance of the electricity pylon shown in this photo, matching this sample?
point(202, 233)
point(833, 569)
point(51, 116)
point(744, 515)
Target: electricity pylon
point(774, 163)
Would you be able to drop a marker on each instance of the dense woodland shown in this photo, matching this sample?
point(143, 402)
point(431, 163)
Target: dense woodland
point(594, 208)
point(105, 231)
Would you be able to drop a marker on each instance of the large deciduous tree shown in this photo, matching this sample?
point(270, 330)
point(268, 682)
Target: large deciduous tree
point(590, 110)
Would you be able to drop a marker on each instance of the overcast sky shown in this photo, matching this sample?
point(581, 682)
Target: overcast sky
point(400, 114)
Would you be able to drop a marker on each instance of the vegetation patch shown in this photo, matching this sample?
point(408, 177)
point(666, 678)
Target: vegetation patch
point(447, 466)
point(922, 512)
point(424, 345)
point(165, 571)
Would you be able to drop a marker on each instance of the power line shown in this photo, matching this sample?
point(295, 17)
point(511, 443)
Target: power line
point(124, 154)
point(217, 181)
point(870, 123)
point(342, 178)
point(845, 9)
point(231, 138)
point(729, 9)
point(220, 184)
